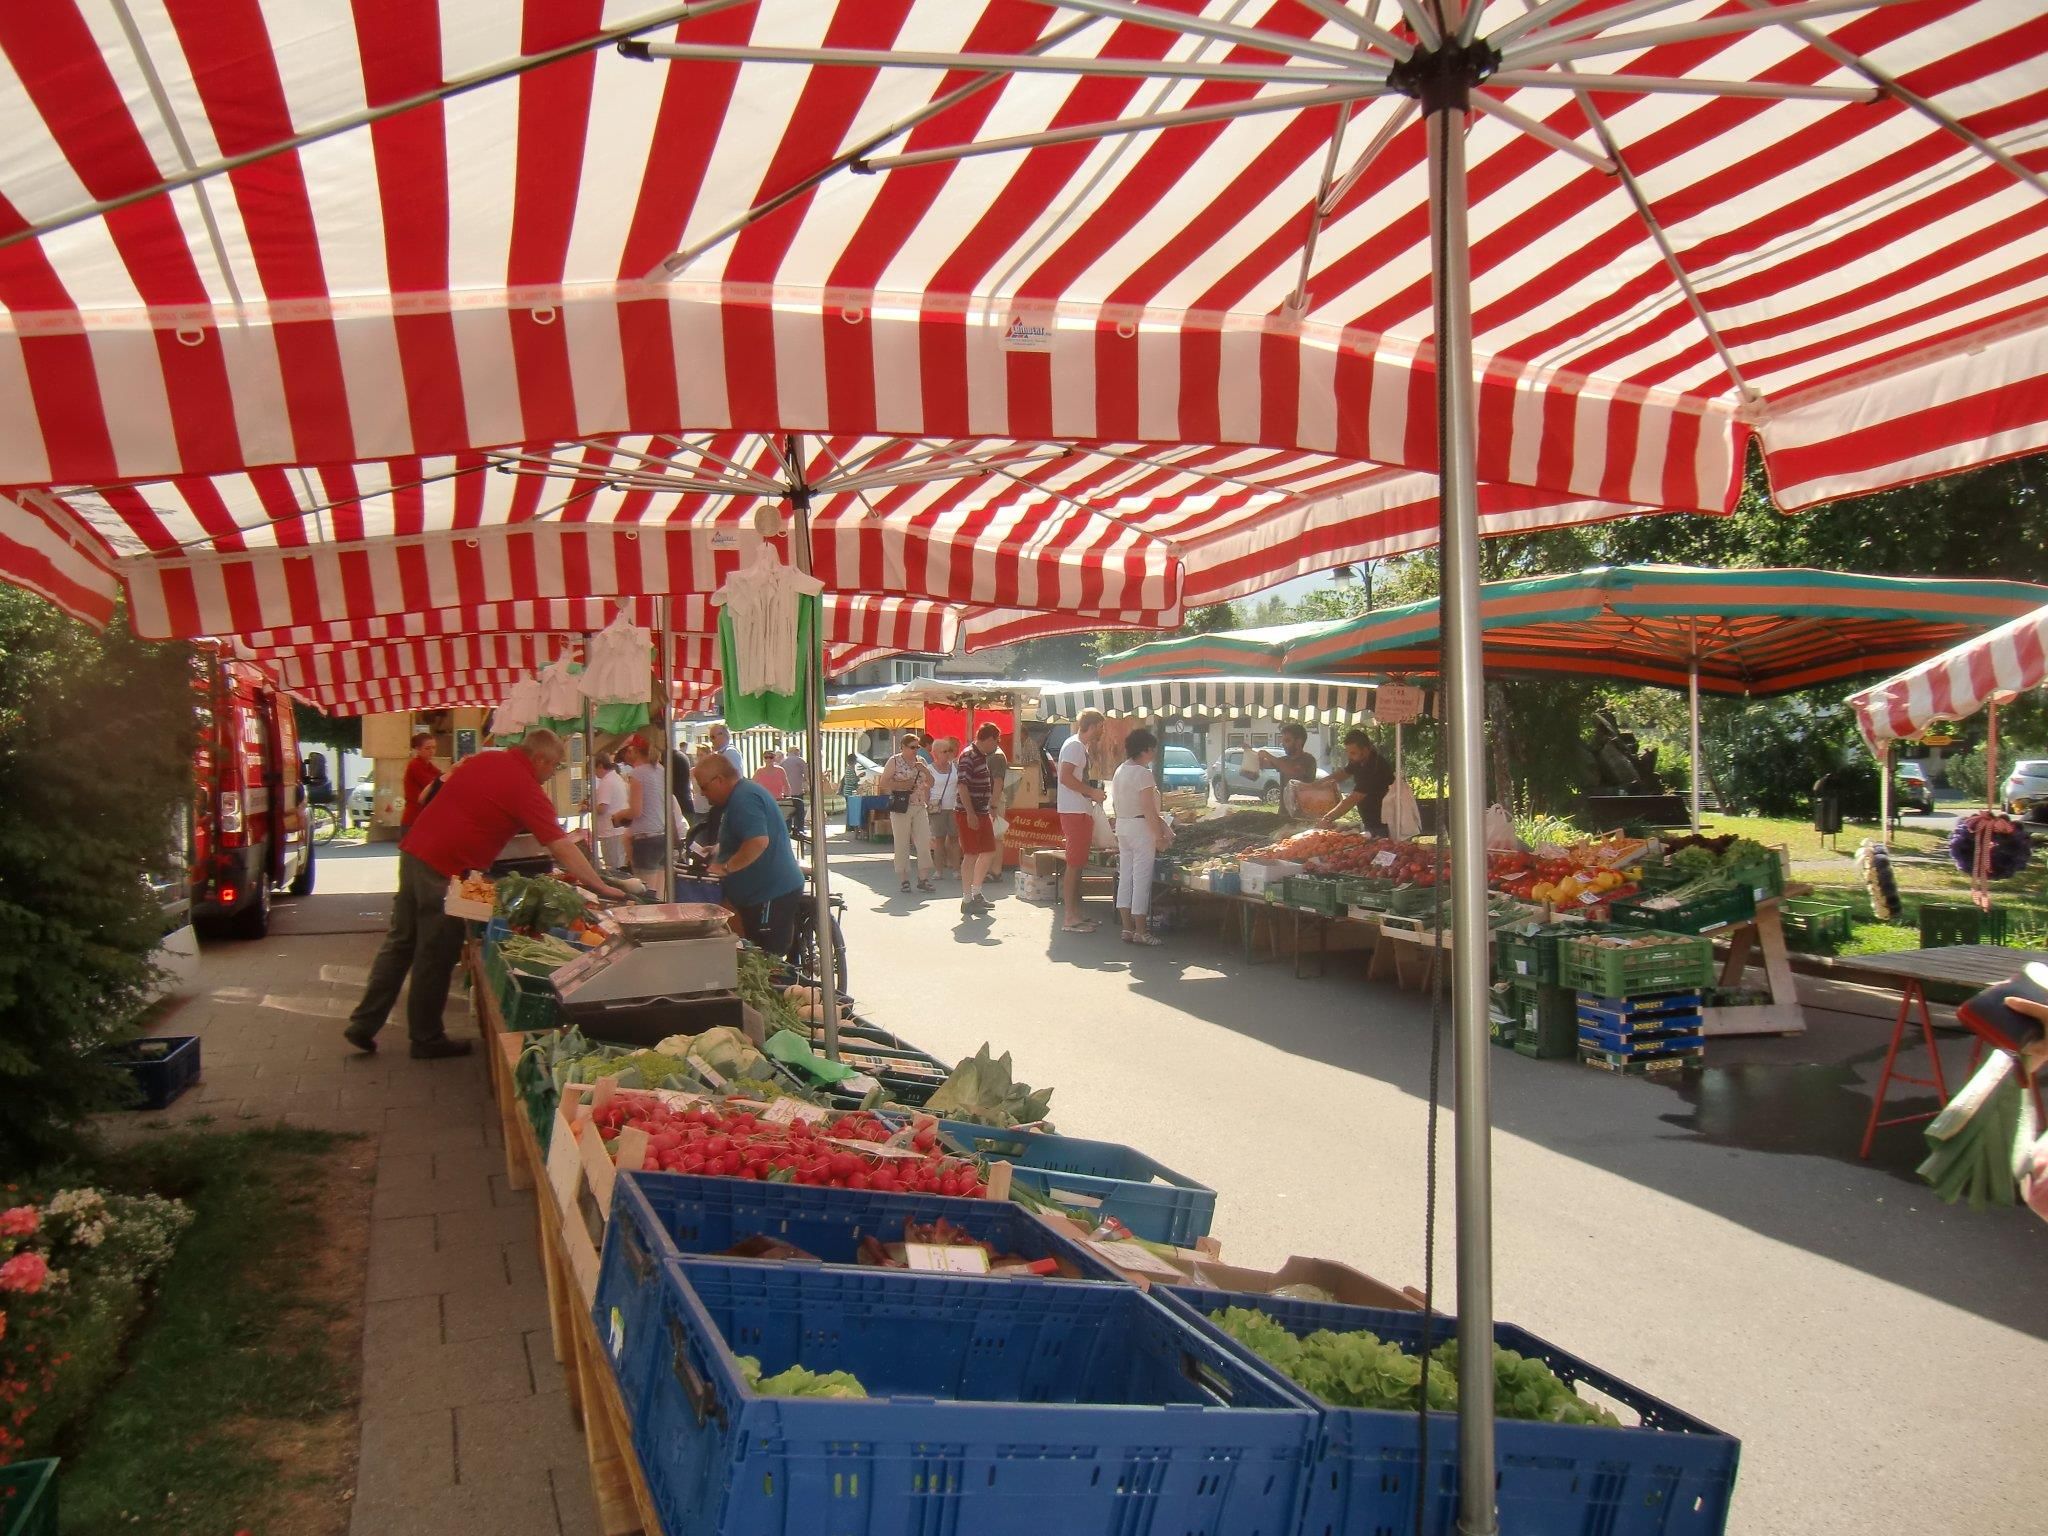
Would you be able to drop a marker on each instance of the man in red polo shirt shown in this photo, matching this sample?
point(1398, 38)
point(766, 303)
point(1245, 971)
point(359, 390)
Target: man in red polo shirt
point(482, 805)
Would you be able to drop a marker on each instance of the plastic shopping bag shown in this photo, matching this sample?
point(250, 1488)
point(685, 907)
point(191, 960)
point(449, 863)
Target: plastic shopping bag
point(1403, 817)
point(1105, 830)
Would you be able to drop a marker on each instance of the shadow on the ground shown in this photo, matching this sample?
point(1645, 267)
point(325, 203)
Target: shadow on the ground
point(1765, 1136)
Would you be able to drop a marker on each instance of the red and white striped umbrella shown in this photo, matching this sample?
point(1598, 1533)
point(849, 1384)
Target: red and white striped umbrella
point(474, 670)
point(1120, 533)
point(1990, 669)
point(272, 234)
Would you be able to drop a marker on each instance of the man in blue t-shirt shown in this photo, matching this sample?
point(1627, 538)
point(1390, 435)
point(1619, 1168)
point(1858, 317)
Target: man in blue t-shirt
point(755, 860)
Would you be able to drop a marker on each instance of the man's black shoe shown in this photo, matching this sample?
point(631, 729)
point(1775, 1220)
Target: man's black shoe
point(434, 1050)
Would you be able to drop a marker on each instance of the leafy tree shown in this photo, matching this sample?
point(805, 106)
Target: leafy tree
point(342, 732)
point(96, 737)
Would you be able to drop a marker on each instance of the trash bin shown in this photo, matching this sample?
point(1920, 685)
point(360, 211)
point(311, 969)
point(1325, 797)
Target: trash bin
point(1827, 806)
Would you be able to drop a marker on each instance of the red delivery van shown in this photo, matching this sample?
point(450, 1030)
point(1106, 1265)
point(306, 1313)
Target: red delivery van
point(251, 831)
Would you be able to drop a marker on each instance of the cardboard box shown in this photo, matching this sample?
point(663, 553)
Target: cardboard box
point(1255, 875)
point(1203, 1265)
point(456, 905)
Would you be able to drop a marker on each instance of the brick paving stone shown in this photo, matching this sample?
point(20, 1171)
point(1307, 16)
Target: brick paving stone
point(395, 1329)
point(519, 1308)
point(511, 1224)
point(496, 1441)
point(492, 1368)
point(404, 1456)
point(478, 1269)
point(522, 1506)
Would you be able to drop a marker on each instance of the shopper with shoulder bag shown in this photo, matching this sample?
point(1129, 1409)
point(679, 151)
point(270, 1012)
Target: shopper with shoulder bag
point(908, 783)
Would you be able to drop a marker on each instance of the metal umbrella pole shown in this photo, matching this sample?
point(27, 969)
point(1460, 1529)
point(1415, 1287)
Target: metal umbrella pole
point(1693, 700)
point(814, 731)
point(590, 772)
point(668, 753)
point(1443, 84)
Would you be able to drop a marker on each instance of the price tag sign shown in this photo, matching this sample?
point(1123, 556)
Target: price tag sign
point(1397, 704)
point(946, 1258)
point(1385, 858)
point(1135, 1257)
point(785, 1111)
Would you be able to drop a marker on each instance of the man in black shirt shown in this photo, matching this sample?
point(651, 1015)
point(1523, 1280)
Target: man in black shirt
point(1365, 777)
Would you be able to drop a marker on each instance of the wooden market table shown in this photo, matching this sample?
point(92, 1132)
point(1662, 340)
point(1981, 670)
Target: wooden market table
point(1763, 935)
point(625, 1505)
point(1956, 970)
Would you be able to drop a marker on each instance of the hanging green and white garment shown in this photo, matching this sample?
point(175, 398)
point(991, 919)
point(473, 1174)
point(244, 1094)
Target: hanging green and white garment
point(768, 628)
point(617, 679)
point(782, 707)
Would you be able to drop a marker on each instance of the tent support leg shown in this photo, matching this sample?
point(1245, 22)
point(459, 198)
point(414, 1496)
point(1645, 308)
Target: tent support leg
point(814, 743)
point(1693, 702)
point(668, 752)
point(1991, 758)
point(1884, 795)
point(1444, 97)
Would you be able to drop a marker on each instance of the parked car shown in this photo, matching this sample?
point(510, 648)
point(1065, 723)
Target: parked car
point(1237, 774)
point(251, 834)
point(362, 802)
point(1179, 768)
point(1911, 789)
point(2026, 790)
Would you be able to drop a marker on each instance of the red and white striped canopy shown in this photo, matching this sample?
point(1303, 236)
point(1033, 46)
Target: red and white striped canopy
point(1956, 684)
point(1097, 222)
point(1123, 534)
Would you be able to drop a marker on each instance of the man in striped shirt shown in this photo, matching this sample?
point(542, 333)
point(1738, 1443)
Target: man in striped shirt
point(977, 819)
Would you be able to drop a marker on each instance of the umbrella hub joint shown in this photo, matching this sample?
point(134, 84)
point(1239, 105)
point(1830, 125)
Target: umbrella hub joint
point(1441, 78)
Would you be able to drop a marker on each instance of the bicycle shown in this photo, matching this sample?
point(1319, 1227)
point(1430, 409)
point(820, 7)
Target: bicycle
point(803, 942)
point(324, 818)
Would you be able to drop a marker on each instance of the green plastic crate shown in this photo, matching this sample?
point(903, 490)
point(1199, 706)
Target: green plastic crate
point(1549, 1021)
point(1416, 900)
point(1674, 962)
point(1712, 909)
point(1311, 893)
point(1957, 922)
point(529, 1003)
point(28, 1498)
point(1526, 954)
point(1766, 876)
point(1814, 923)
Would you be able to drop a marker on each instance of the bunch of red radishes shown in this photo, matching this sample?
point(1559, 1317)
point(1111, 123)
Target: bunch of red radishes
point(844, 1153)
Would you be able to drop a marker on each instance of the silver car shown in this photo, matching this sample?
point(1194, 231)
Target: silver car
point(2026, 789)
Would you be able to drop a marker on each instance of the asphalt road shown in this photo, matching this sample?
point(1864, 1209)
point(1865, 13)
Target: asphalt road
point(1715, 1242)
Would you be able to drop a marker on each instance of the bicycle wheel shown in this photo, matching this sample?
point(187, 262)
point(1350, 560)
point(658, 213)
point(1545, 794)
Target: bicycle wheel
point(803, 946)
point(326, 825)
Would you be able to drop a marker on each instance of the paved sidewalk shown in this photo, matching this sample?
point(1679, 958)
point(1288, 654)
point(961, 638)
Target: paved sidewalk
point(465, 1423)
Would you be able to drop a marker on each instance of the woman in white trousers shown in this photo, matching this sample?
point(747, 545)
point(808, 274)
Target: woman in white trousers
point(908, 782)
point(1141, 831)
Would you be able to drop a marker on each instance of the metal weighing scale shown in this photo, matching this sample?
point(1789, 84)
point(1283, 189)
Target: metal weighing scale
point(667, 969)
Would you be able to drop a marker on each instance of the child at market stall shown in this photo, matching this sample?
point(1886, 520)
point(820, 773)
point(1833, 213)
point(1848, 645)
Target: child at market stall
point(1141, 831)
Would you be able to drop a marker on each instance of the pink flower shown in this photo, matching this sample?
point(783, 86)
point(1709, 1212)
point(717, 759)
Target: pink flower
point(19, 1221)
point(25, 1272)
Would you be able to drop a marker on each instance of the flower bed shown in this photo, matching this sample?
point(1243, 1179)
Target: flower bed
point(75, 1270)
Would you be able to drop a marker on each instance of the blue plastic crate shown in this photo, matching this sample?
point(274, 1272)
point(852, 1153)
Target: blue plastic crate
point(1622, 1015)
point(163, 1067)
point(661, 1217)
point(1667, 1475)
point(1684, 1035)
point(995, 1409)
point(690, 889)
point(1156, 1203)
